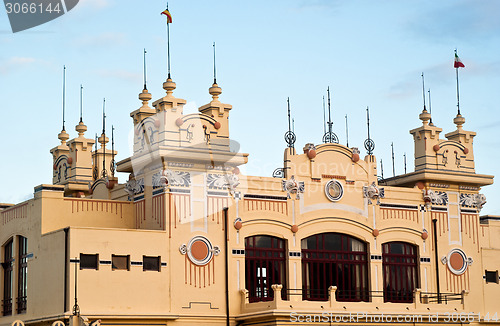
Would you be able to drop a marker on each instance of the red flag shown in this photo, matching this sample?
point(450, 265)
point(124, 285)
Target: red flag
point(458, 63)
point(169, 16)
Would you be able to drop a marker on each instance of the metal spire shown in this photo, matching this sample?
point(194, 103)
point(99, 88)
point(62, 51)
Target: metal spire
point(382, 168)
point(64, 97)
point(423, 90)
point(346, 131)
point(112, 167)
point(215, 71)
point(430, 108)
point(330, 136)
point(103, 144)
point(144, 70)
point(289, 135)
point(393, 166)
point(324, 116)
point(168, 46)
point(405, 161)
point(369, 143)
point(81, 103)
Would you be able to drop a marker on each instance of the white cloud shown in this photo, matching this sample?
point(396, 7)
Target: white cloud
point(120, 74)
point(15, 63)
point(101, 40)
point(96, 4)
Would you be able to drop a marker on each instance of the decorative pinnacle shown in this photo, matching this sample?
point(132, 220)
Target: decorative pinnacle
point(145, 96)
point(169, 86)
point(81, 128)
point(63, 136)
point(459, 121)
point(425, 117)
point(215, 91)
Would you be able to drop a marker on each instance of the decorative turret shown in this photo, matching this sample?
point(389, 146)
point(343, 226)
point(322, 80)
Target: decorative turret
point(426, 139)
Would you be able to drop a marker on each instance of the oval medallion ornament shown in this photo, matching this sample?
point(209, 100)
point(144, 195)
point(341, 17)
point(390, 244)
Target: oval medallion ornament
point(334, 190)
point(200, 250)
point(457, 261)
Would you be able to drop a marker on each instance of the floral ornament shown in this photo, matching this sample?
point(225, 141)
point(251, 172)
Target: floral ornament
point(373, 192)
point(473, 200)
point(291, 186)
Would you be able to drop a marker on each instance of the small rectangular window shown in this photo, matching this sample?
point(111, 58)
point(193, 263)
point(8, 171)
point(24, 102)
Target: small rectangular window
point(120, 262)
point(89, 261)
point(151, 263)
point(491, 277)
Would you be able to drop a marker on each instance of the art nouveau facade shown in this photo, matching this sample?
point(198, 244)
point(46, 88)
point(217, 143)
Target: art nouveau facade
point(189, 240)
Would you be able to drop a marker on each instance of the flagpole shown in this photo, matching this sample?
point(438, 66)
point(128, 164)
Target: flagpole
point(168, 46)
point(458, 93)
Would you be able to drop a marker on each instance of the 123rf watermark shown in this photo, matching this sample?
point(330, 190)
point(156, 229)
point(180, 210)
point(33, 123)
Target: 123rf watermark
point(25, 14)
point(447, 317)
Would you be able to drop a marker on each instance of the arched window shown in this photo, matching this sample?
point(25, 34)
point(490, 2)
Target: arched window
point(400, 271)
point(8, 279)
point(334, 259)
point(265, 265)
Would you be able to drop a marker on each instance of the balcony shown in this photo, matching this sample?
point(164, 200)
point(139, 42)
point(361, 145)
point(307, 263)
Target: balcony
point(368, 304)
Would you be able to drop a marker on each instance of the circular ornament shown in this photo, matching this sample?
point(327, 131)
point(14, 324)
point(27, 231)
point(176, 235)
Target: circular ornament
point(179, 122)
point(334, 190)
point(466, 151)
point(425, 235)
point(311, 154)
point(294, 228)
point(217, 125)
point(457, 261)
point(355, 158)
point(200, 250)
point(375, 232)
point(435, 148)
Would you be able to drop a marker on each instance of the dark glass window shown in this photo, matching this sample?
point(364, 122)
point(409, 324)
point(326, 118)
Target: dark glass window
point(120, 262)
point(151, 263)
point(491, 276)
point(265, 265)
point(8, 264)
point(22, 289)
point(400, 266)
point(334, 259)
point(89, 261)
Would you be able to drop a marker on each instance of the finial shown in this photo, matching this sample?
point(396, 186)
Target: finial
point(330, 136)
point(459, 121)
point(369, 143)
point(346, 131)
point(289, 135)
point(112, 165)
point(215, 91)
point(393, 166)
point(64, 96)
point(324, 116)
point(81, 127)
point(169, 86)
point(215, 71)
point(430, 108)
point(423, 91)
point(405, 161)
point(144, 70)
point(145, 96)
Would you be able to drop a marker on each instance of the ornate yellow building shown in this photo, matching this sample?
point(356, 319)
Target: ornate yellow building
point(188, 240)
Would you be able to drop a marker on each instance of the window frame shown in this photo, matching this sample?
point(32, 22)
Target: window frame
point(113, 268)
point(394, 263)
point(8, 277)
point(495, 273)
point(335, 265)
point(158, 258)
point(272, 260)
point(88, 255)
point(22, 280)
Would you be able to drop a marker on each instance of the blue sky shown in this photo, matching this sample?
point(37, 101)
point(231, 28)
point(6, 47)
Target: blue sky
point(370, 53)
